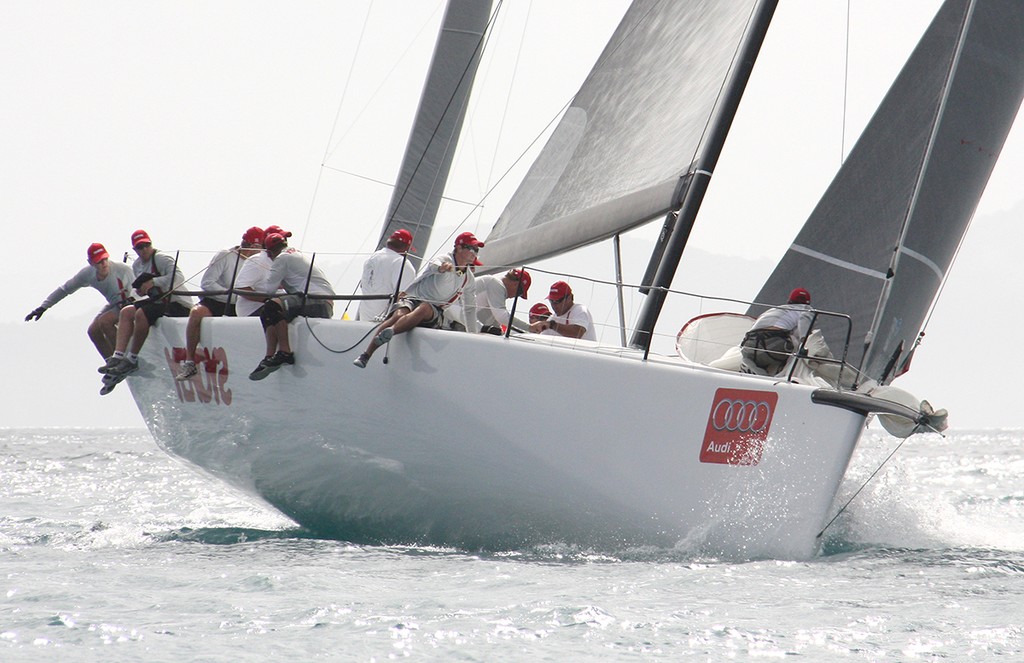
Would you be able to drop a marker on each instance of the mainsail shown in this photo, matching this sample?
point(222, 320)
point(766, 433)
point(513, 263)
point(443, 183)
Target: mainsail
point(435, 132)
point(881, 240)
point(616, 157)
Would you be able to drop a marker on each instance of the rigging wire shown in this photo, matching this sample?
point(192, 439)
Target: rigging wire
point(846, 89)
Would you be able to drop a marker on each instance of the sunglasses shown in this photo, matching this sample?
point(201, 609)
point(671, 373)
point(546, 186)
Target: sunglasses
point(474, 249)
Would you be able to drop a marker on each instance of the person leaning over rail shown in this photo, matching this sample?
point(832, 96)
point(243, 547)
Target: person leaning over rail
point(491, 294)
point(570, 319)
point(220, 276)
point(156, 277)
point(776, 334)
point(441, 282)
point(251, 283)
point(386, 272)
point(299, 277)
point(113, 280)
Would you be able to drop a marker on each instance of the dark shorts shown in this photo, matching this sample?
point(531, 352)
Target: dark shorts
point(217, 307)
point(768, 349)
point(156, 310)
point(293, 307)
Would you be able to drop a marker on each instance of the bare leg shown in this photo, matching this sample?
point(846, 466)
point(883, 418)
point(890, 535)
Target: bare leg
point(141, 331)
point(125, 327)
point(103, 333)
point(402, 320)
point(195, 318)
point(281, 332)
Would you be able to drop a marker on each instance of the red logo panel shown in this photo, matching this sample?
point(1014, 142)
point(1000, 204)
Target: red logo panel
point(738, 425)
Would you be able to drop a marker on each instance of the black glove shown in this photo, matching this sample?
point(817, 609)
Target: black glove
point(142, 278)
point(36, 314)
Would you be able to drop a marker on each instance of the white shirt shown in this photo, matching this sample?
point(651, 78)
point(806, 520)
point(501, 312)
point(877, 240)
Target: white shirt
point(221, 272)
point(794, 318)
point(116, 288)
point(443, 289)
point(490, 301)
point(578, 315)
point(381, 274)
point(291, 270)
point(253, 275)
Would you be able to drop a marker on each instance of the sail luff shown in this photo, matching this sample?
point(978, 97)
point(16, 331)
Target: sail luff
point(700, 175)
point(901, 243)
point(439, 118)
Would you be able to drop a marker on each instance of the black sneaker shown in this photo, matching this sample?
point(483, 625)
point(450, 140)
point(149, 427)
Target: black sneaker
point(280, 358)
point(263, 370)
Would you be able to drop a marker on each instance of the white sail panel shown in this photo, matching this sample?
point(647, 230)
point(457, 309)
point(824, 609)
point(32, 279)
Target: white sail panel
point(632, 130)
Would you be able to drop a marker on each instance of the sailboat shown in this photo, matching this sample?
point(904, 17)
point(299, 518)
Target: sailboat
point(626, 447)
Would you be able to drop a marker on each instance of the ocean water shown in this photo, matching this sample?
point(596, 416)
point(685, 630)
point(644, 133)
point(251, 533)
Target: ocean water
point(112, 551)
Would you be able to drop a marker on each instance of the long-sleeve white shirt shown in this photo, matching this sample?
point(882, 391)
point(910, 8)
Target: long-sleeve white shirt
point(445, 288)
point(168, 276)
point(221, 274)
point(383, 271)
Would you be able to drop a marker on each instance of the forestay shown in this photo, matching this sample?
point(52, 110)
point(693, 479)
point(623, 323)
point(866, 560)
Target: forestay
point(616, 157)
point(881, 240)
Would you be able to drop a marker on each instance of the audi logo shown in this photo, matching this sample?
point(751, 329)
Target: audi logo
point(741, 416)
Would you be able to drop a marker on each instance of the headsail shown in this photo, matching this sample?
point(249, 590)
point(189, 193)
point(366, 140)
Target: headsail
point(615, 159)
point(435, 132)
point(881, 240)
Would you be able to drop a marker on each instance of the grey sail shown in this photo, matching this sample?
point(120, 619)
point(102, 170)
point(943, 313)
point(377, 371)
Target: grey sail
point(435, 131)
point(881, 240)
point(615, 159)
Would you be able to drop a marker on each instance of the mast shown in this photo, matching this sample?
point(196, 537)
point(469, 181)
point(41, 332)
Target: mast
point(695, 182)
point(435, 132)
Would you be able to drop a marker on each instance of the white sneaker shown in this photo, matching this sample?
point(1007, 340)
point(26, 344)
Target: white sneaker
point(384, 336)
point(188, 370)
point(360, 361)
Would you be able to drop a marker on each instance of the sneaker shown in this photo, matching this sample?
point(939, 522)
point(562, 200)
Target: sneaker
point(112, 361)
point(361, 360)
point(188, 370)
point(280, 358)
point(384, 336)
point(109, 382)
point(264, 369)
point(123, 368)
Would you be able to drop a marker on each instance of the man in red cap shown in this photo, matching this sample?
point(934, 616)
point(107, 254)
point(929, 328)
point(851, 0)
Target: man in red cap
point(386, 273)
point(309, 294)
point(441, 282)
point(251, 282)
point(539, 312)
point(113, 280)
point(571, 320)
point(776, 334)
point(156, 278)
point(219, 279)
point(491, 294)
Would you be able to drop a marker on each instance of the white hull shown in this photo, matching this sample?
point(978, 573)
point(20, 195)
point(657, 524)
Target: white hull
point(476, 441)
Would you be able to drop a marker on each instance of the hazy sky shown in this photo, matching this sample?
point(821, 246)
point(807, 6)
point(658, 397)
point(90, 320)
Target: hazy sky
point(195, 120)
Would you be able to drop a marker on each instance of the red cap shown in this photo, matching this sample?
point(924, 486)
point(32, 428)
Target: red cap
point(96, 253)
point(559, 290)
point(402, 235)
point(253, 236)
point(273, 240)
point(468, 239)
point(140, 237)
point(523, 277)
point(540, 308)
point(799, 296)
point(275, 230)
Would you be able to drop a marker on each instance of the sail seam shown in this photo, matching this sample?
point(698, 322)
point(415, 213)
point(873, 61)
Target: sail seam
point(832, 260)
point(925, 260)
